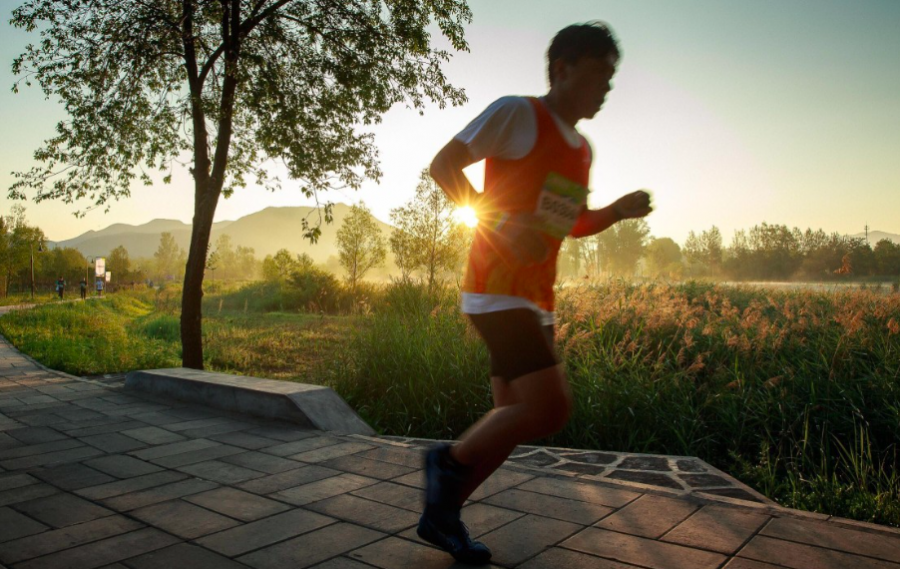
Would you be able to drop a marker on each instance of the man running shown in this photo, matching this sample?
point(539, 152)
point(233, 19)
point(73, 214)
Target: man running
point(537, 167)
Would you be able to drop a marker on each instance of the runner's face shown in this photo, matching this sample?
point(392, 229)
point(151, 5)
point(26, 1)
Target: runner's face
point(585, 84)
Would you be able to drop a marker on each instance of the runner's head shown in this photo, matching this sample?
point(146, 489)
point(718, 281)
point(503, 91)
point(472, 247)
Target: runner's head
point(581, 61)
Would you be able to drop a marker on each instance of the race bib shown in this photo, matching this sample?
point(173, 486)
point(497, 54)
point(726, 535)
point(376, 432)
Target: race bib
point(559, 205)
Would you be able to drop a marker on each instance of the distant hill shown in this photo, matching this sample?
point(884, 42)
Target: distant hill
point(265, 231)
point(876, 236)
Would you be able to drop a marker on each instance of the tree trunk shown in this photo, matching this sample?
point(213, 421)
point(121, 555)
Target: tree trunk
point(192, 294)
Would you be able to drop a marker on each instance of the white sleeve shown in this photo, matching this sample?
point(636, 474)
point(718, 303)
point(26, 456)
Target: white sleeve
point(506, 129)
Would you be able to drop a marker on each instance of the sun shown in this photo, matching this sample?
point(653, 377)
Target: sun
point(466, 215)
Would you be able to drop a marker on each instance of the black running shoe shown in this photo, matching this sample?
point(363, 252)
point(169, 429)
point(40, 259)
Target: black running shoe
point(449, 533)
point(444, 478)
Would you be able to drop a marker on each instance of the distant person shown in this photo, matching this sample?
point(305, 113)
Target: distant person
point(99, 287)
point(60, 287)
point(535, 194)
point(83, 289)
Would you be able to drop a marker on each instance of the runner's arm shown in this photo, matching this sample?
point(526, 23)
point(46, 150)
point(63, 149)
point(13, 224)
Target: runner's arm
point(447, 171)
point(629, 206)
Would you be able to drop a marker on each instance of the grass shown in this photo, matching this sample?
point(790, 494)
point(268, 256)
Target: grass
point(794, 392)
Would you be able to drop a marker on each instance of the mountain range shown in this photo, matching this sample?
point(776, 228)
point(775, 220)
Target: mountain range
point(265, 231)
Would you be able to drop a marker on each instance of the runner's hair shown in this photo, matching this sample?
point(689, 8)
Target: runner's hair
point(591, 39)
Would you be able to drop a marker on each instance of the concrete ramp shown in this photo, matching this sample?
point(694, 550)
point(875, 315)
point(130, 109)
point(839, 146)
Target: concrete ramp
point(312, 406)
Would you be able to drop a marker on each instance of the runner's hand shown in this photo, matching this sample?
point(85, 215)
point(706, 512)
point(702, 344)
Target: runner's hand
point(633, 205)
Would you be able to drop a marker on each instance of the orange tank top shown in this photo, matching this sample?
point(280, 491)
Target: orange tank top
point(550, 182)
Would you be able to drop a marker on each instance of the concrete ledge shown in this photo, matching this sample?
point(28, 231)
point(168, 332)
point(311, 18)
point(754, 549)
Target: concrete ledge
point(312, 406)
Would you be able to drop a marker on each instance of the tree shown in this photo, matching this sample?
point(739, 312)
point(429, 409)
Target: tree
point(238, 83)
point(622, 245)
point(119, 264)
point(246, 265)
point(360, 244)
point(704, 253)
point(427, 237)
point(887, 257)
point(169, 257)
point(279, 267)
point(18, 242)
point(663, 257)
point(226, 254)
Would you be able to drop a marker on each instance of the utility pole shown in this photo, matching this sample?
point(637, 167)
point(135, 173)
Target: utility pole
point(867, 234)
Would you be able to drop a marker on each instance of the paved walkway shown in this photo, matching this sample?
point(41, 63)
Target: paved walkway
point(92, 476)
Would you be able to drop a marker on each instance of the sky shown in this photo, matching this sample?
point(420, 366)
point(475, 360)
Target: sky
point(731, 113)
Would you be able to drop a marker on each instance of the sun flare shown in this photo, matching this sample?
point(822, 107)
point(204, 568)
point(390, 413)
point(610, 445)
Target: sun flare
point(466, 215)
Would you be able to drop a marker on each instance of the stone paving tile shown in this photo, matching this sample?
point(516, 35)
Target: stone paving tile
point(195, 424)
point(366, 513)
point(649, 516)
point(641, 551)
point(36, 435)
point(265, 532)
point(129, 485)
point(397, 495)
point(122, 466)
point(186, 458)
point(323, 489)
point(237, 504)
point(220, 472)
point(73, 476)
point(158, 494)
point(25, 493)
point(10, 481)
point(245, 440)
point(331, 451)
point(500, 480)
point(154, 418)
point(342, 563)
point(113, 442)
point(367, 467)
point(479, 517)
point(105, 429)
point(583, 513)
point(413, 458)
point(584, 492)
point(103, 552)
point(217, 429)
point(41, 448)
point(311, 548)
point(741, 563)
point(174, 448)
point(395, 553)
point(526, 537)
point(51, 458)
point(285, 434)
point(185, 520)
point(182, 555)
point(101, 421)
point(14, 525)
point(843, 539)
point(60, 539)
point(61, 510)
point(262, 462)
point(153, 435)
point(801, 556)
point(302, 445)
point(556, 558)
point(717, 528)
point(289, 479)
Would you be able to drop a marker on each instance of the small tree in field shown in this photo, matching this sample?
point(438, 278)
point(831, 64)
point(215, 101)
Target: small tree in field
point(360, 244)
point(235, 84)
point(427, 237)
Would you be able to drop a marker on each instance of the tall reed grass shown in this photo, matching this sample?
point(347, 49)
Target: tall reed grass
point(794, 392)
